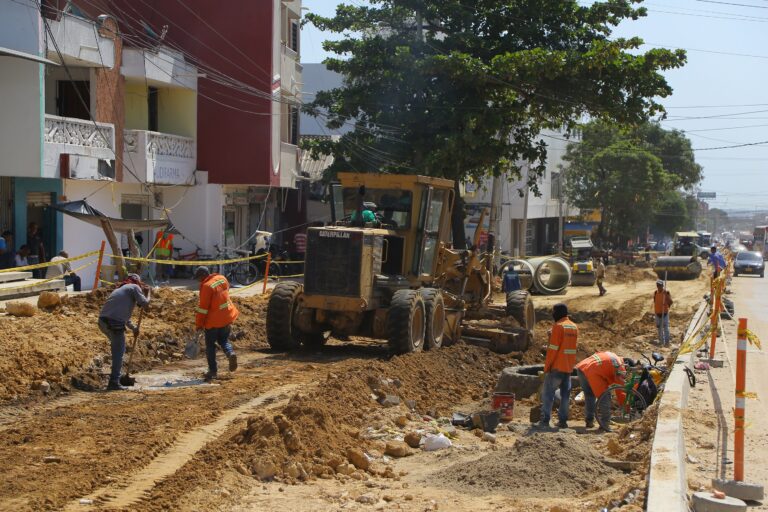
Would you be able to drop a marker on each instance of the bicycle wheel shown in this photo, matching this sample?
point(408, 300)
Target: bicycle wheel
point(246, 273)
point(617, 405)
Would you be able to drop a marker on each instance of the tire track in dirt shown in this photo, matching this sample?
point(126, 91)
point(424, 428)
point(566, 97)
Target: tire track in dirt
point(132, 488)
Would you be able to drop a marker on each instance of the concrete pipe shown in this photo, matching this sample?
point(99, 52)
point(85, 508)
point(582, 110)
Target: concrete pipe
point(524, 271)
point(551, 274)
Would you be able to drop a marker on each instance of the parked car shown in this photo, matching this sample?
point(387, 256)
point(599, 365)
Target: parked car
point(749, 262)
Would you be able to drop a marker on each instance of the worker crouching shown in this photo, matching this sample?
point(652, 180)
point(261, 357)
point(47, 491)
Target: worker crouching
point(596, 373)
point(561, 358)
point(215, 314)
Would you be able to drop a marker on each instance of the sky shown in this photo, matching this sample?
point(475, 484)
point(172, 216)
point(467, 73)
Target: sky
point(720, 96)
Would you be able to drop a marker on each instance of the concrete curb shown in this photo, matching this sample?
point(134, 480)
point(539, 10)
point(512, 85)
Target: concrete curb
point(667, 484)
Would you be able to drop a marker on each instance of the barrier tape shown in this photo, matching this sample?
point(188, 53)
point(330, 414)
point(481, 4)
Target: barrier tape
point(753, 339)
point(48, 264)
point(61, 278)
point(190, 262)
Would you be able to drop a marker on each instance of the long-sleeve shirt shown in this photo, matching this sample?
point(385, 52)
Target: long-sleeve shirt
point(120, 304)
point(59, 269)
point(717, 260)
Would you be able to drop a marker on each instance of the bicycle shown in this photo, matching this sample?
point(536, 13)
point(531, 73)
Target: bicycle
point(243, 272)
point(187, 271)
point(625, 402)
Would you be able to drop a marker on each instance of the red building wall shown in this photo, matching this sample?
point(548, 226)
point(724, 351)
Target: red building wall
point(233, 38)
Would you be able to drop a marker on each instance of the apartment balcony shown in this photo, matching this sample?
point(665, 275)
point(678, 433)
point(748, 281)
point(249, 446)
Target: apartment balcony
point(290, 72)
point(80, 44)
point(78, 149)
point(289, 164)
point(162, 67)
point(160, 158)
point(294, 6)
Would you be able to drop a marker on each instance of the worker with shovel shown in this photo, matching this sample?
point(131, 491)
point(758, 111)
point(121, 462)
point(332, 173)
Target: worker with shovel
point(115, 316)
point(215, 314)
point(561, 358)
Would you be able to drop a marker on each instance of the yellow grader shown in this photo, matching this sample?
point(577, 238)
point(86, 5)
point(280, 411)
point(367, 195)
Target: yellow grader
point(385, 270)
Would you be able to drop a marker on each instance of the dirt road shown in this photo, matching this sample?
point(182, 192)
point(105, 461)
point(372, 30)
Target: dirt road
point(286, 431)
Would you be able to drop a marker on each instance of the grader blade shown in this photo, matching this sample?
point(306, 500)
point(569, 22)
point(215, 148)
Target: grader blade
point(503, 340)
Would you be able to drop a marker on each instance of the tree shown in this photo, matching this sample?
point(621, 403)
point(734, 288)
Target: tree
point(635, 176)
point(462, 88)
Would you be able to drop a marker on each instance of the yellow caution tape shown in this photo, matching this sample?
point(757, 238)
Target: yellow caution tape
point(48, 264)
point(753, 339)
point(746, 394)
point(191, 262)
point(697, 339)
point(61, 277)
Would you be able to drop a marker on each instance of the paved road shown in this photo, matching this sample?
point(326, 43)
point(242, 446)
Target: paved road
point(750, 295)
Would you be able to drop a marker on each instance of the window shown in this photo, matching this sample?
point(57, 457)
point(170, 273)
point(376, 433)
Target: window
point(293, 126)
point(555, 190)
point(294, 39)
point(152, 109)
point(394, 206)
point(73, 99)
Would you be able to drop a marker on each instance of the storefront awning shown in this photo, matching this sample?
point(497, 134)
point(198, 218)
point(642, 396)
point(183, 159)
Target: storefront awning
point(87, 213)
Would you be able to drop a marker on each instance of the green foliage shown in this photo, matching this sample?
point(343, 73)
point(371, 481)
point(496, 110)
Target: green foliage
point(462, 88)
point(634, 175)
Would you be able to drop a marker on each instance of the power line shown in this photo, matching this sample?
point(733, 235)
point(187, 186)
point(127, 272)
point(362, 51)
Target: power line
point(732, 3)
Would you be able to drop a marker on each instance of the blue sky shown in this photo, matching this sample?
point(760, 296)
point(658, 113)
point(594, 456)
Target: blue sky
point(726, 76)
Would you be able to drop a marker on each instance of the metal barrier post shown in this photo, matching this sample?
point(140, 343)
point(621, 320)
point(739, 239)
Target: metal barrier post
point(266, 272)
point(740, 411)
point(98, 265)
point(715, 297)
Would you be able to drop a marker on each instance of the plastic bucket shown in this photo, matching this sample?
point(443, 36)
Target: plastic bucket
point(505, 404)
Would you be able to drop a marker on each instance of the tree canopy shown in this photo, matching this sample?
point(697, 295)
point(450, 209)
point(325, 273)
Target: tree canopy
point(636, 176)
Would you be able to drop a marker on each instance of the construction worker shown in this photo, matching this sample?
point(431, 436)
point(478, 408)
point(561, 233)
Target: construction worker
point(368, 214)
point(115, 316)
point(215, 315)
point(718, 262)
point(596, 373)
point(662, 300)
point(600, 275)
point(163, 251)
point(561, 358)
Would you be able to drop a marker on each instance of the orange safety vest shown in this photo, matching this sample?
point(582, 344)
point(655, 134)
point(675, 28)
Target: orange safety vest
point(561, 352)
point(601, 370)
point(661, 302)
point(215, 308)
point(163, 244)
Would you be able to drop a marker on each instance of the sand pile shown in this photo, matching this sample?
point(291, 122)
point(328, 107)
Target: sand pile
point(64, 347)
point(313, 434)
point(546, 465)
point(628, 273)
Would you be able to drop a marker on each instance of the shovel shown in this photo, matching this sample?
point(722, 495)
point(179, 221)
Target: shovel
point(127, 380)
point(192, 349)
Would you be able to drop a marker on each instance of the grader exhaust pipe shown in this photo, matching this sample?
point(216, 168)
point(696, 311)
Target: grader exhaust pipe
point(547, 275)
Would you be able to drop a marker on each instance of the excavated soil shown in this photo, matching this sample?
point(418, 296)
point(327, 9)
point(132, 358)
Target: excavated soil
point(554, 464)
point(65, 348)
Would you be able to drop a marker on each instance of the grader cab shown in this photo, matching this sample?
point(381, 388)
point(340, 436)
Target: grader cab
point(384, 269)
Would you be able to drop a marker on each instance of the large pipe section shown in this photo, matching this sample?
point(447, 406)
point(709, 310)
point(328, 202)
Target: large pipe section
point(547, 275)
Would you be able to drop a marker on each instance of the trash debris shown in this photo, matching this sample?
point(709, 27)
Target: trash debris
point(701, 365)
point(437, 442)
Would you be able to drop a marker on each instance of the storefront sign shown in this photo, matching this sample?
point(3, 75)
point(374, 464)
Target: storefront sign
point(171, 171)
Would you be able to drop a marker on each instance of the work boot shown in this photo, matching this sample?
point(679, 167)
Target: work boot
point(232, 361)
point(602, 429)
point(562, 424)
point(590, 424)
point(542, 425)
point(209, 376)
point(115, 386)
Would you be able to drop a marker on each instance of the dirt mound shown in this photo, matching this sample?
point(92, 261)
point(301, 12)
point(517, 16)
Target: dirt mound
point(628, 273)
point(65, 347)
point(554, 464)
point(316, 430)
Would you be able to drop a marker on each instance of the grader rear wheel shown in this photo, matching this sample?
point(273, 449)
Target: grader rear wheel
point(406, 322)
point(281, 333)
point(434, 309)
point(520, 307)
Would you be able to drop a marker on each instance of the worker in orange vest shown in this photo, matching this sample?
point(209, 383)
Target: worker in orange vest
point(595, 374)
point(215, 314)
point(662, 300)
point(163, 251)
point(561, 358)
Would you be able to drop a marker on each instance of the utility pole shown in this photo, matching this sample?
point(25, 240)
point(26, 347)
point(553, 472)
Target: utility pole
point(560, 205)
point(524, 230)
point(495, 220)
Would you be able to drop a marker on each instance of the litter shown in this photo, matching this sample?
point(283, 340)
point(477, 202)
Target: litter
point(437, 442)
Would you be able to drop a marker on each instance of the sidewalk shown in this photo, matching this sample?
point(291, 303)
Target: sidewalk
point(709, 421)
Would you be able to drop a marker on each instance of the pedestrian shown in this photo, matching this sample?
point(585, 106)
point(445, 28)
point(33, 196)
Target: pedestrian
point(662, 300)
point(717, 261)
point(596, 373)
point(36, 248)
point(600, 275)
point(299, 249)
point(63, 269)
point(115, 316)
point(6, 250)
point(561, 358)
point(20, 260)
point(215, 314)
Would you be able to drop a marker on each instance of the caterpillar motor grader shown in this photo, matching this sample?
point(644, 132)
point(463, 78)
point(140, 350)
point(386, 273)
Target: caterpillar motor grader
point(384, 269)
